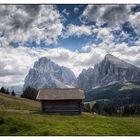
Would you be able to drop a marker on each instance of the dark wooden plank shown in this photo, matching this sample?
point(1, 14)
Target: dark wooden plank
point(61, 106)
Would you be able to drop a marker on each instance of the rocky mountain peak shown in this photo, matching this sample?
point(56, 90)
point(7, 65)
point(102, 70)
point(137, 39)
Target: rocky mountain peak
point(47, 74)
point(116, 61)
point(110, 69)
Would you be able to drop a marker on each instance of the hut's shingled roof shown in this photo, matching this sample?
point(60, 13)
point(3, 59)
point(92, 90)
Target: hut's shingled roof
point(60, 94)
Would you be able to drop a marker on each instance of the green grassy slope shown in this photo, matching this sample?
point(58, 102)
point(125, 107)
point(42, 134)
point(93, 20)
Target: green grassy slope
point(17, 103)
point(39, 124)
point(34, 123)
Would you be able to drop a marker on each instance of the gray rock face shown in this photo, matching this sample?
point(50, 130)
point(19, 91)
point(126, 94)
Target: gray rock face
point(47, 74)
point(110, 70)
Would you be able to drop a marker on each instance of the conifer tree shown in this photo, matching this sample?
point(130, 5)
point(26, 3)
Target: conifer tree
point(13, 93)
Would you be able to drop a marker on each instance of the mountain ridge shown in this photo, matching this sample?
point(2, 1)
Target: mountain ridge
point(46, 74)
point(110, 69)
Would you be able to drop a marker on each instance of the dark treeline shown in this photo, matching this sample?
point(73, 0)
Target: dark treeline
point(109, 109)
point(30, 93)
point(6, 91)
point(114, 100)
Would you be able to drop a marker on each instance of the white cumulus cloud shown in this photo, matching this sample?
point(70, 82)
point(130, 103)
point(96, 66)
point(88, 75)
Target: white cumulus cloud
point(134, 19)
point(106, 35)
point(111, 14)
point(77, 30)
point(20, 23)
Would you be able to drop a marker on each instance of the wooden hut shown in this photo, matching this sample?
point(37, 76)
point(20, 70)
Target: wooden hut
point(61, 100)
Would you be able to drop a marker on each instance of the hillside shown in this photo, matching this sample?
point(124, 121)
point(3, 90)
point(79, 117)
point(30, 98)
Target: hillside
point(20, 116)
point(8, 102)
point(118, 93)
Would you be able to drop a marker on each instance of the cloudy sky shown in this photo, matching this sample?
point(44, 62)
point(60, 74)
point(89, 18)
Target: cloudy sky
point(75, 36)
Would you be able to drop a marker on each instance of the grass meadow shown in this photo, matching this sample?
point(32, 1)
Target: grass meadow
point(22, 117)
